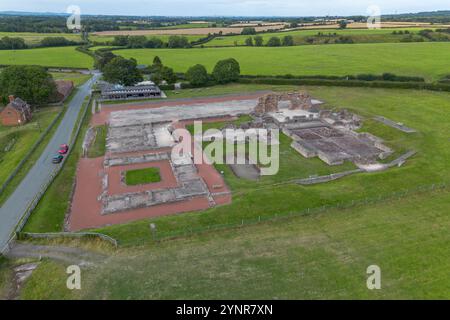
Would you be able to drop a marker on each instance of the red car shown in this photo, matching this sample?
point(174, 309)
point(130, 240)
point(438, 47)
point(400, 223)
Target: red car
point(63, 149)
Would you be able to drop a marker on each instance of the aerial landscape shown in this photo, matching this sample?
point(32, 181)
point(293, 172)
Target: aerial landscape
point(250, 150)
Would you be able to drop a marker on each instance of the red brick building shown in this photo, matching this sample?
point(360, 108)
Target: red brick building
point(16, 113)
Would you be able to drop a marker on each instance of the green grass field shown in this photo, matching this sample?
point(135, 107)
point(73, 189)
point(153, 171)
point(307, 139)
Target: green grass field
point(165, 38)
point(51, 57)
point(321, 256)
point(430, 59)
point(142, 176)
point(359, 35)
point(34, 38)
point(19, 140)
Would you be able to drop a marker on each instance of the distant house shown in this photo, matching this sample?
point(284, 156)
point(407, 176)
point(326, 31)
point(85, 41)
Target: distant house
point(63, 90)
point(16, 113)
point(140, 91)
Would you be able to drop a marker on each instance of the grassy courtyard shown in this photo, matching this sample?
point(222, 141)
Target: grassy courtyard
point(142, 176)
point(430, 59)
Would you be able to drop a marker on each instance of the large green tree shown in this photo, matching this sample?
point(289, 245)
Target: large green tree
point(227, 71)
point(197, 75)
point(30, 83)
point(122, 71)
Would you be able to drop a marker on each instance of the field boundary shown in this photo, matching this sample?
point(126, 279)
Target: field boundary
point(56, 235)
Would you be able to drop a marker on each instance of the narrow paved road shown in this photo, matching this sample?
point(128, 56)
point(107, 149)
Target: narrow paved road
point(14, 208)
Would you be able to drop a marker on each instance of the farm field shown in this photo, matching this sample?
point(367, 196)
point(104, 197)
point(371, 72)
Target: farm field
point(35, 38)
point(187, 31)
point(322, 256)
point(100, 39)
point(358, 35)
point(430, 59)
point(51, 57)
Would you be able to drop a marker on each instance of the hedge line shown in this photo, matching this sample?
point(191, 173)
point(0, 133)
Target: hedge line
point(360, 77)
point(348, 83)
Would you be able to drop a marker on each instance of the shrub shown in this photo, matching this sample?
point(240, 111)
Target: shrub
point(227, 71)
point(249, 42)
point(274, 42)
point(248, 31)
point(288, 41)
point(197, 75)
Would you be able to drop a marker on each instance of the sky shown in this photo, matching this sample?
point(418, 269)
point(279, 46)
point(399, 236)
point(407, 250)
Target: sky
point(225, 7)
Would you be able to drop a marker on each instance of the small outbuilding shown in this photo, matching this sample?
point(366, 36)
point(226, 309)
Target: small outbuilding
point(63, 90)
point(16, 113)
point(139, 91)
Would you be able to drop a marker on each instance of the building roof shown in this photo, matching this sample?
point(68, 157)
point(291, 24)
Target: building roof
point(64, 87)
point(19, 105)
point(117, 89)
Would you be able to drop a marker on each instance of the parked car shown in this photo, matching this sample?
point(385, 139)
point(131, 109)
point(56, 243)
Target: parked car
point(63, 149)
point(57, 159)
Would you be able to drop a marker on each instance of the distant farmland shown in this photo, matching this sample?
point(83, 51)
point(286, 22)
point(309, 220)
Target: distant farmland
point(51, 57)
point(429, 60)
point(34, 38)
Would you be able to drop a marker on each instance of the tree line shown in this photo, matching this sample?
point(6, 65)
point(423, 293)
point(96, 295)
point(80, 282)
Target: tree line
point(138, 42)
point(258, 41)
point(16, 43)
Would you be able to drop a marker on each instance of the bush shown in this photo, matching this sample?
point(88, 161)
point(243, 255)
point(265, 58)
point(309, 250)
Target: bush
point(248, 31)
point(227, 71)
point(7, 43)
point(288, 41)
point(178, 42)
point(249, 42)
point(56, 42)
point(274, 42)
point(197, 75)
point(259, 41)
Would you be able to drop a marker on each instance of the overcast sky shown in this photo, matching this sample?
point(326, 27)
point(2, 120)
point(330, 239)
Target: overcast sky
point(226, 7)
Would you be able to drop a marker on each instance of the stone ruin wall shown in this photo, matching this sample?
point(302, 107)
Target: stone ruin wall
point(269, 102)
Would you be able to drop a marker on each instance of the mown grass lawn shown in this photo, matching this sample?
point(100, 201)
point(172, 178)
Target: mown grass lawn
point(321, 256)
point(48, 57)
point(430, 59)
point(142, 176)
point(358, 35)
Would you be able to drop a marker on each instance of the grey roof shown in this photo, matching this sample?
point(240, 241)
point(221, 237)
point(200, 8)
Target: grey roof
point(19, 105)
point(117, 89)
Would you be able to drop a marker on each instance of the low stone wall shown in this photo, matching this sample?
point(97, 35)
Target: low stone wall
point(331, 177)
